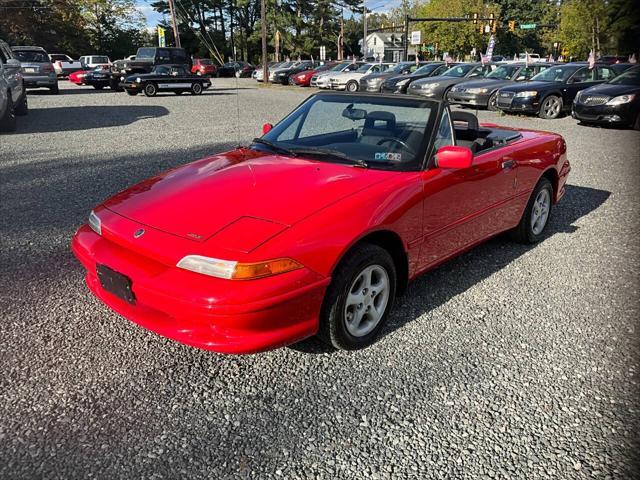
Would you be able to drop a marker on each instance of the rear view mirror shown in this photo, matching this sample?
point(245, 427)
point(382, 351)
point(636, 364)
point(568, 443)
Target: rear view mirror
point(266, 128)
point(354, 113)
point(13, 63)
point(452, 157)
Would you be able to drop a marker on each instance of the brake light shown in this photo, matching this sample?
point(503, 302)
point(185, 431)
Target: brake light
point(47, 68)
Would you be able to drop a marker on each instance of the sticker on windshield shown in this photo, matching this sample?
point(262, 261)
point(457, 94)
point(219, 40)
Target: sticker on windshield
point(394, 157)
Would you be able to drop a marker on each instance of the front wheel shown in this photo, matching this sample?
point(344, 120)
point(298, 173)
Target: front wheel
point(22, 108)
point(131, 93)
point(536, 215)
point(196, 89)
point(492, 105)
point(636, 125)
point(150, 89)
point(54, 90)
point(352, 86)
point(98, 87)
point(8, 119)
point(551, 107)
point(359, 298)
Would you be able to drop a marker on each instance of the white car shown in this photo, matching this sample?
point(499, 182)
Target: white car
point(89, 62)
point(322, 80)
point(258, 73)
point(63, 64)
point(350, 80)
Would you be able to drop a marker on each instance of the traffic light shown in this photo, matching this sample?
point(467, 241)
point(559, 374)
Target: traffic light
point(475, 18)
point(512, 25)
point(493, 23)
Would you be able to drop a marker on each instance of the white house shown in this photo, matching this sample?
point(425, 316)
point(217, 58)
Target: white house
point(387, 47)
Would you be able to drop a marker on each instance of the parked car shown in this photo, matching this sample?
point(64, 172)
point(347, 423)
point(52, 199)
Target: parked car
point(165, 78)
point(327, 217)
point(551, 92)
point(621, 67)
point(616, 102)
point(303, 79)
point(610, 59)
point(373, 82)
point(37, 70)
point(78, 77)
point(282, 75)
point(98, 78)
point(64, 64)
point(323, 79)
point(258, 72)
point(438, 87)
point(350, 80)
point(229, 69)
point(13, 95)
point(204, 67)
point(285, 66)
point(146, 59)
point(89, 62)
point(400, 83)
point(484, 92)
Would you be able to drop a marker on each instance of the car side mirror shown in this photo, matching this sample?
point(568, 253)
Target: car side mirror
point(13, 63)
point(453, 157)
point(266, 128)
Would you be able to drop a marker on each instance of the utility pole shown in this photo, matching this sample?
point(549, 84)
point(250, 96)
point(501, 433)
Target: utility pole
point(341, 38)
point(176, 34)
point(364, 21)
point(263, 21)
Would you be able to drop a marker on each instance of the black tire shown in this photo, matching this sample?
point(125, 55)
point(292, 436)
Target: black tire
point(333, 316)
point(178, 92)
point(132, 93)
point(150, 89)
point(98, 87)
point(550, 107)
point(636, 125)
point(196, 88)
point(22, 108)
point(492, 104)
point(352, 86)
point(54, 90)
point(524, 232)
point(8, 119)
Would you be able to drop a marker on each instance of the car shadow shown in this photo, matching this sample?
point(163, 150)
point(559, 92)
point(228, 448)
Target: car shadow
point(57, 119)
point(438, 286)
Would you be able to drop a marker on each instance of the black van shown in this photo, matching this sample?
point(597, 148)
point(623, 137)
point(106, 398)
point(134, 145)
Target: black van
point(147, 58)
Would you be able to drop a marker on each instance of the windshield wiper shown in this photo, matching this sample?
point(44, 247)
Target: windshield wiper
point(275, 147)
point(326, 152)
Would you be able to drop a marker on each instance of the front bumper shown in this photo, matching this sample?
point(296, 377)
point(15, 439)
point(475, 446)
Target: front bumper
point(36, 81)
point(371, 87)
point(470, 99)
point(210, 313)
point(518, 104)
point(604, 114)
point(337, 85)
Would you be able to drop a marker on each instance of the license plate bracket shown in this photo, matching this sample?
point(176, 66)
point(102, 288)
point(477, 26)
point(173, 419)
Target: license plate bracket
point(116, 283)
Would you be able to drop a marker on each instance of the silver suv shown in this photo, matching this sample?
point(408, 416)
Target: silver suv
point(37, 68)
point(13, 96)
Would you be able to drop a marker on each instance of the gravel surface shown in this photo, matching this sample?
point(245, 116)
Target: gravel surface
point(508, 362)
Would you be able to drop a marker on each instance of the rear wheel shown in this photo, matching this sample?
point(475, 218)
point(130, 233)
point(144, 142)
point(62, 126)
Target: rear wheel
point(359, 298)
point(536, 215)
point(22, 108)
point(196, 88)
point(132, 93)
point(98, 87)
point(8, 119)
point(551, 107)
point(178, 92)
point(150, 89)
point(492, 105)
point(352, 86)
point(636, 125)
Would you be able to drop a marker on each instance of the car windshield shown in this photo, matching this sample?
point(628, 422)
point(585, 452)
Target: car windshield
point(458, 71)
point(205, 61)
point(286, 65)
point(160, 70)
point(504, 72)
point(400, 67)
point(145, 53)
point(58, 57)
point(339, 67)
point(31, 56)
point(630, 77)
point(556, 74)
point(376, 132)
point(364, 68)
point(99, 60)
point(430, 67)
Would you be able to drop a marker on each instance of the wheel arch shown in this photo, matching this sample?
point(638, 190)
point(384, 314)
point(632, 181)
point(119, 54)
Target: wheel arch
point(551, 174)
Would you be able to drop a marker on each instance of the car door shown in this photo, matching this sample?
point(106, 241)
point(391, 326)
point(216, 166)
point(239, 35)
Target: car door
point(12, 73)
point(581, 79)
point(464, 206)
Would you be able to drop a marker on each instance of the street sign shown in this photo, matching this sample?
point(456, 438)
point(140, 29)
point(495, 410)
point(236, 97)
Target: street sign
point(528, 26)
point(416, 37)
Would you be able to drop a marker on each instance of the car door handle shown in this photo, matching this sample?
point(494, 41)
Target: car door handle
point(508, 164)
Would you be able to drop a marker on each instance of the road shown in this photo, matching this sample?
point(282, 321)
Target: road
point(508, 362)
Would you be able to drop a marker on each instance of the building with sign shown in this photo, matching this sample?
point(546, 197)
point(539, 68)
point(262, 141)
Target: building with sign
point(386, 47)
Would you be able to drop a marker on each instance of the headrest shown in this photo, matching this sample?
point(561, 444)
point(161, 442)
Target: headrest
point(469, 118)
point(379, 116)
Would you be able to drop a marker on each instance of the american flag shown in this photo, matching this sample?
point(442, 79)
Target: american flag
point(527, 59)
point(592, 59)
point(632, 58)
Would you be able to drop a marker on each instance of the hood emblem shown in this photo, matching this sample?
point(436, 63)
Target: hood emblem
point(138, 233)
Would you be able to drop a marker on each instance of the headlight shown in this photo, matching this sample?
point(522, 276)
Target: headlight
point(477, 90)
point(231, 270)
point(621, 99)
point(429, 86)
point(95, 223)
point(138, 80)
point(402, 82)
point(527, 94)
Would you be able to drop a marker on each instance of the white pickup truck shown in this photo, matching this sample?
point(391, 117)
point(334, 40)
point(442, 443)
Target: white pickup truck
point(64, 64)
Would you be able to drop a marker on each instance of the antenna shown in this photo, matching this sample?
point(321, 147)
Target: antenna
point(237, 75)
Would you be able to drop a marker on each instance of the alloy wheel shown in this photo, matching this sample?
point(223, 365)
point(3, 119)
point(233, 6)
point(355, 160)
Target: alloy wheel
point(367, 300)
point(540, 211)
point(551, 107)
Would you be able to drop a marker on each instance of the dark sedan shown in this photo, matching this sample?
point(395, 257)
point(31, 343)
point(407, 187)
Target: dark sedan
point(484, 92)
point(551, 92)
point(165, 78)
point(616, 102)
point(400, 83)
point(98, 78)
point(282, 75)
point(373, 82)
point(438, 87)
point(230, 69)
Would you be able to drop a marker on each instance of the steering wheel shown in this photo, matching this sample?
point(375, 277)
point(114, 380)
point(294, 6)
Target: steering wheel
point(399, 142)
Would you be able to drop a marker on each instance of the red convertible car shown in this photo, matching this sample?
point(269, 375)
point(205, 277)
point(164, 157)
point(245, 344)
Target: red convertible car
point(326, 218)
point(77, 77)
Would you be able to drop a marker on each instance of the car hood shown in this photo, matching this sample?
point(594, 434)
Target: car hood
point(441, 80)
point(611, 90)
point(486, 83)
point(524, 86)
point(200, 199)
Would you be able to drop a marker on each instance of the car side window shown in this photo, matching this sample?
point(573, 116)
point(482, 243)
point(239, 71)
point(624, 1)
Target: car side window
point(525, 73)
point(444, 136)
point(582, 75)
point(604, 73)
point(478, 71)
point(162, 55)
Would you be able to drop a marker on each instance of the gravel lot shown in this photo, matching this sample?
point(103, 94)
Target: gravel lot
point(508, 362)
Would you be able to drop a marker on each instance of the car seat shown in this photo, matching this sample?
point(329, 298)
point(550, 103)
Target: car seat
point(378, 125)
